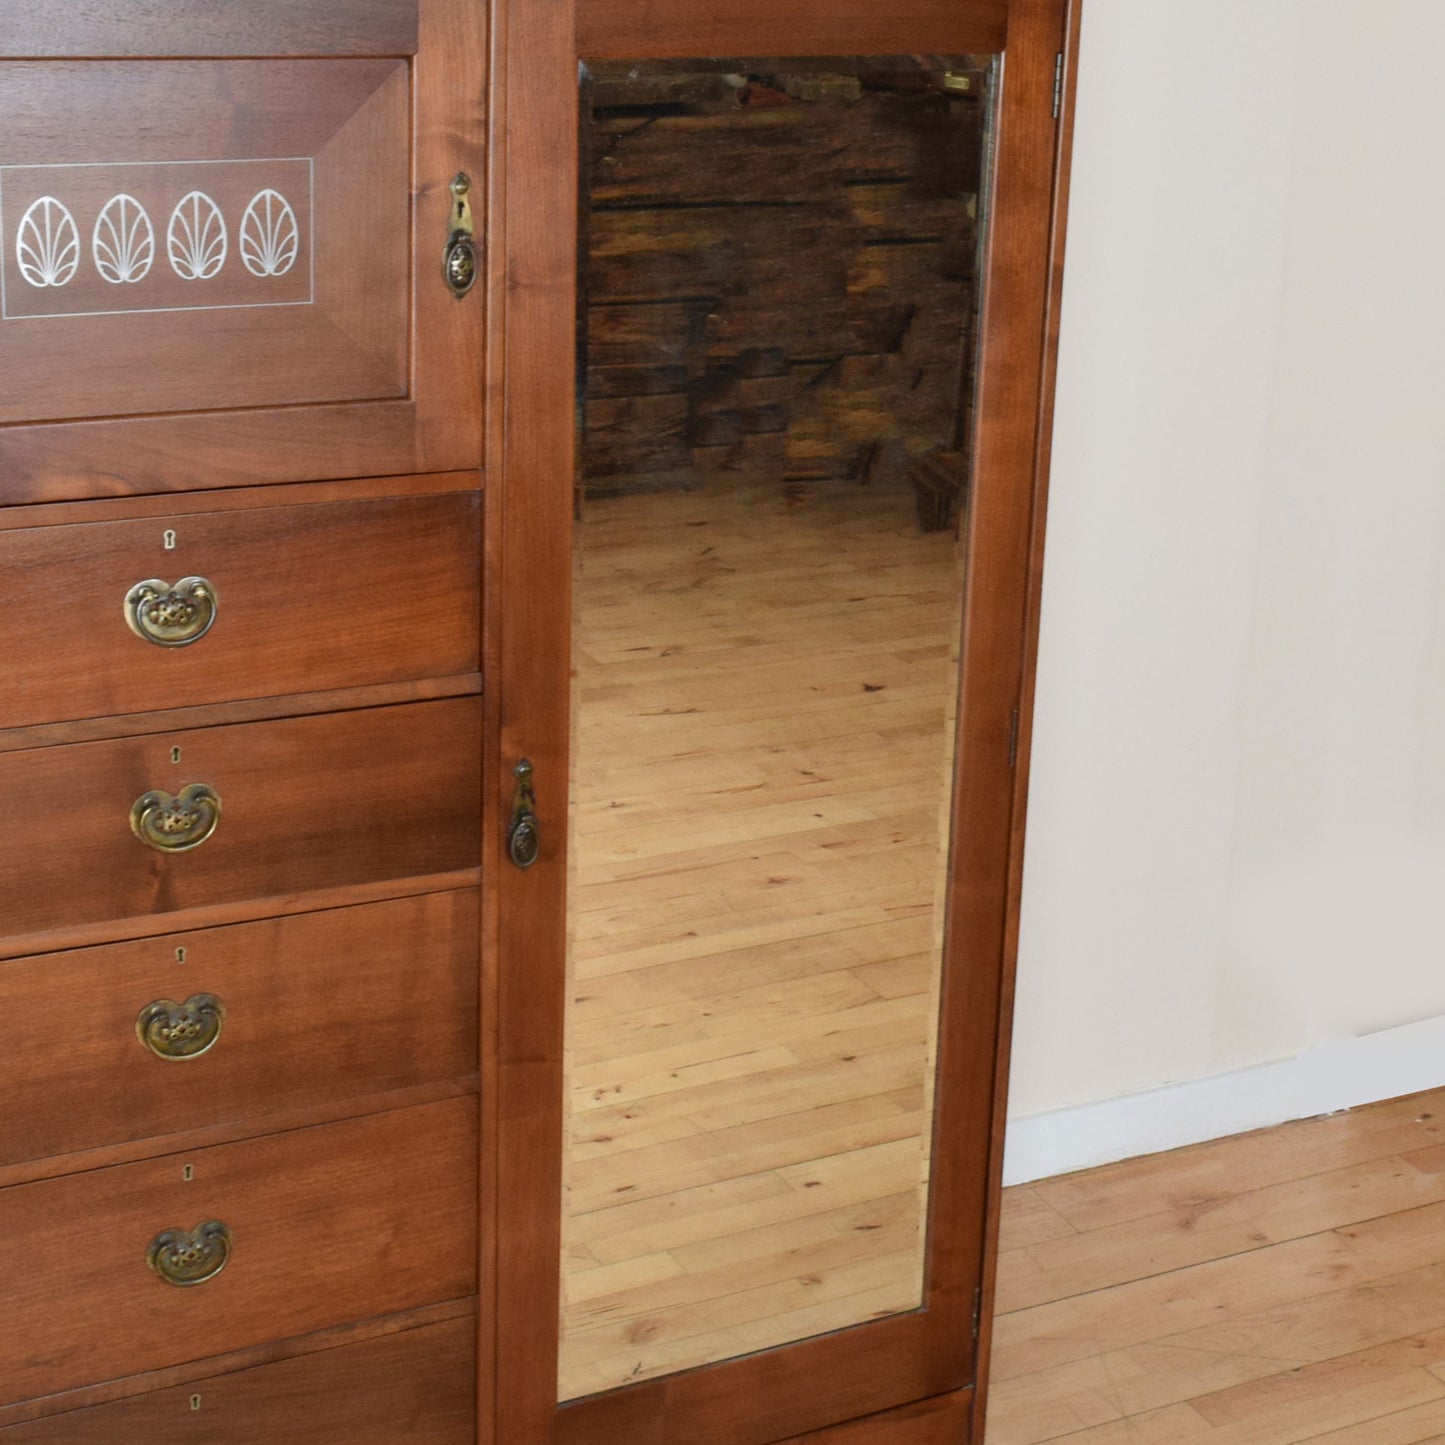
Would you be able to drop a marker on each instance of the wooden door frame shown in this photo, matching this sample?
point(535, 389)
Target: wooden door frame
point(533, 208)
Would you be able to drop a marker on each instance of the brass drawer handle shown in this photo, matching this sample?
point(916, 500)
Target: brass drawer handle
point(185, 1257)
point(171, 616)
point(176, 824)
point(187, 1030)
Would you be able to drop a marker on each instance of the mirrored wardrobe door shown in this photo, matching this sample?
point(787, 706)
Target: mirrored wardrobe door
point(777, 326)
point(765, 569)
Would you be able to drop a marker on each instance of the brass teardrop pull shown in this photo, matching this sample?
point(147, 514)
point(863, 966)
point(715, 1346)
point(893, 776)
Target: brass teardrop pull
point(171, 616)
point(459, 263)
point(524, 837)
point(176, 823)
point(172, 1030)
point(185, 1257)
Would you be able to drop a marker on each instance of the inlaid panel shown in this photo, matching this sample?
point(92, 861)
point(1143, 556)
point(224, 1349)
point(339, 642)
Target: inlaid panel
point(209, 233)
point(222, 248)
point(176, 236)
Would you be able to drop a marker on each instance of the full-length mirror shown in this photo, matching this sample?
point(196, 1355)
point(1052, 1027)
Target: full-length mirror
point(778, 326)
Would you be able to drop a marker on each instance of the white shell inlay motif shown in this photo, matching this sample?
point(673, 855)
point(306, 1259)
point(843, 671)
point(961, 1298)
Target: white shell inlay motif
point(124, 241)
point(196, 239)
point(47, 245)
point(270, 237)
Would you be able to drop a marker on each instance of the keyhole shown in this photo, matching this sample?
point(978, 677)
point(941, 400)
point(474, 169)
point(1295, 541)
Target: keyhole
point(180, 955)
point(169, 538)
point(175, 755)
point(195, 1402)
point(188, 1173)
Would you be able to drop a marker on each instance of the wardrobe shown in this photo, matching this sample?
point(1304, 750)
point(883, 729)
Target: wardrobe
point(520, 538)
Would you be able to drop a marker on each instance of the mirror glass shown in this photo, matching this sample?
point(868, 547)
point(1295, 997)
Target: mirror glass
point(777, 337)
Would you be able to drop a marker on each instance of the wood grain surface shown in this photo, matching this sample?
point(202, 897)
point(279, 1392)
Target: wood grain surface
point(310, 598)
point(306, 803)
point(340, 1222)
point(318, 1007)
point(1273, 1288)
point(941, 1421)
point(1034, 598)
point(200, 27)
point(639, 29)
point(532, 437)
point(412, 1388)
point(269, 1352)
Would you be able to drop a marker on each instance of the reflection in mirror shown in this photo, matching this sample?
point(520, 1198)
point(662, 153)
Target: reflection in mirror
point(778, 333)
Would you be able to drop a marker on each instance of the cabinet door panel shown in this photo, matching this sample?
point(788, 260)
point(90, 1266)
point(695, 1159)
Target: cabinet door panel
point(190, 244)
point(776, 787)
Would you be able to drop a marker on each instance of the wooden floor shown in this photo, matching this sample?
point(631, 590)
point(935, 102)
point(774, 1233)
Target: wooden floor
point(763, 683)
point(1273, 1288)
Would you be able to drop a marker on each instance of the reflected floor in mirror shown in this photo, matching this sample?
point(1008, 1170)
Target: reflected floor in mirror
point(754, 918)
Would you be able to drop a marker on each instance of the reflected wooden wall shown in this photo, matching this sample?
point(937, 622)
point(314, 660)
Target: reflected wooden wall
point(781, 271)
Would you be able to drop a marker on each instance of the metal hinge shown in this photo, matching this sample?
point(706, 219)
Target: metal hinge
point(977, 1312)
point(1058, 84)
point(1013, 739)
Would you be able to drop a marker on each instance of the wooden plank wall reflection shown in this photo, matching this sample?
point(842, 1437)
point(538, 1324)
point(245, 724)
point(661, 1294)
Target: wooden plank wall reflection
point(778, 258)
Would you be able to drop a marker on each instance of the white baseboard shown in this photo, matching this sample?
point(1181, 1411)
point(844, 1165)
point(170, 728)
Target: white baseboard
point(1339, 1075)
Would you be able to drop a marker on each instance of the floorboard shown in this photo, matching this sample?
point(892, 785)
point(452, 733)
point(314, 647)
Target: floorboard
point(1274, 1288)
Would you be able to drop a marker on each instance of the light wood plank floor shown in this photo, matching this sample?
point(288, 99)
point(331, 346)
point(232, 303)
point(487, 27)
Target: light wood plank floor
point(1273, 1288)
point(764, 683)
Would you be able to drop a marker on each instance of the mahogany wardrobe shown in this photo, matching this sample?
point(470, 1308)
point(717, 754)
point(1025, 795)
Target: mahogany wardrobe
point(520, 540)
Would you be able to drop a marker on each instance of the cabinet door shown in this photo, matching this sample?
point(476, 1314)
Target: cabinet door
point(765, 625)
point(224, 230)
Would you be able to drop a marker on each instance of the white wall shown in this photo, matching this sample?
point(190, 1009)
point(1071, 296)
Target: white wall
point(1237, 832)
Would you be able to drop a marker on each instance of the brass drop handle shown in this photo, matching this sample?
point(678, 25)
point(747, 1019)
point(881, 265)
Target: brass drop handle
point(186, 1030)
point(524, 836)
point(176, 824)
point(459, 261)
point(171, 616)
point(185, 1257)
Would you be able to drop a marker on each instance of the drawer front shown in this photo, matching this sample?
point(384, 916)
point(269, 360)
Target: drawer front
point(416, 1388)
point(277, 600)
point(305, 803)
point(328, 1225)
point(133, 1040)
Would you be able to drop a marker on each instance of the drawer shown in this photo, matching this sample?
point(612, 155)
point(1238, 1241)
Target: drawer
point(416, 1388)
point(306, 803)
point(282, 1014)
point(328, 1225)
point(307, 598)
